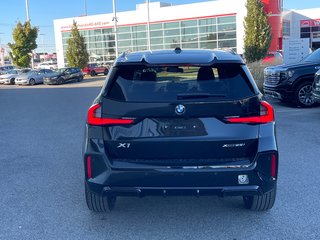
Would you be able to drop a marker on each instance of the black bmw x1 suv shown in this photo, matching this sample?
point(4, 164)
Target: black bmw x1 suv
point(173, 122)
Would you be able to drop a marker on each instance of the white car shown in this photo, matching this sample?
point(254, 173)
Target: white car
point(10, 76)
point(47, 65)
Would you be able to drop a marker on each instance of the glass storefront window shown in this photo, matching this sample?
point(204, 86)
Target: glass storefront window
point(208, 37)
point(227, 44)
point(124, 43)
point(139, 35)
point(156, 47)
point(139, 28)
point(124, 29)
point(208, 45)
point(189, 38)
point(124, 36)
point(156, 40)
point(227, 27)
point(156, 26)
point(208, 29)
point(189, 45)
point(192, 23)
point(227, 35)
point(156, 33)
point(189, 30)
point(229, 19)
point(208, 21)
point(171, 25)
point(172, 39)
point(139, 42)
point(172, 32)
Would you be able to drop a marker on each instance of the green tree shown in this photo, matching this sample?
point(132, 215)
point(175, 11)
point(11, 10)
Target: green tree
point(257, 32)
point(77, 54)
point(24, 37)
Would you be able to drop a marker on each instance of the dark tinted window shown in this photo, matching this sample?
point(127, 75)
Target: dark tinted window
point(169, 83)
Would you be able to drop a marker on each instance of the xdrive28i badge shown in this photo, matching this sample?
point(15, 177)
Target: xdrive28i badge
point(180, 109)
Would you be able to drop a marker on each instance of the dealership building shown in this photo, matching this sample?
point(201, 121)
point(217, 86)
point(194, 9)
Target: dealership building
point(206, 25)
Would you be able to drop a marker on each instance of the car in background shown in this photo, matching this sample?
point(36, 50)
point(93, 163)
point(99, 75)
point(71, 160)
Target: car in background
point(316, 87)
point(11, 75)
point(5, 69)
point(272, 58)
point(93, 69)
point(47, 65)
point(180, 122)
point(64, 75)
point(33, 77)
point(293, 82)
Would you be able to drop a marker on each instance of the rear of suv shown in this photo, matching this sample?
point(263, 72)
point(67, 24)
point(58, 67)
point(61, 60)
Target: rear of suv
point(174, 122)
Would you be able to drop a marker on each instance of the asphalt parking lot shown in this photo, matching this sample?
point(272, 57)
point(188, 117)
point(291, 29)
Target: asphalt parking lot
point(42, 193)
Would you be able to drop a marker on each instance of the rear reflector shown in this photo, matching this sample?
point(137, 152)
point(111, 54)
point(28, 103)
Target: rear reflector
point(94, 118)
point(273, 165)
point(89, 169)
point(266, 115)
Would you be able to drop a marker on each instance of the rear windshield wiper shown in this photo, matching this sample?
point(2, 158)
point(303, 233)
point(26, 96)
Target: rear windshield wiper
point(199, 95)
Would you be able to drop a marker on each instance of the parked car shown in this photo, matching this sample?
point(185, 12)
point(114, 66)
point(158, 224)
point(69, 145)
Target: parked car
point(33, 77)
point(94, 69)
point(178, 121)
point(10, 77)
point(272, 58)
point(64, 75)
point(5, 69)
point(47, 65)
point(293, 82)
point(316, 87)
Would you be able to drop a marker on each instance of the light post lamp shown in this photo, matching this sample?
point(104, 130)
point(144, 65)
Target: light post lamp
point(43, 45)
point(115, 21)
point(148, 25)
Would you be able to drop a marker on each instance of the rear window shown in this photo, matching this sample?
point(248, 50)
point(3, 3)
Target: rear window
point(172, 83)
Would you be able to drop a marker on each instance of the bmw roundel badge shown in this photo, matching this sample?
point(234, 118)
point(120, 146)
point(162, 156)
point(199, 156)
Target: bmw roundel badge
point(180, 109)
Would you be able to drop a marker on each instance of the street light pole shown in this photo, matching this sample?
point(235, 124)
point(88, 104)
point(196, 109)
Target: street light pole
point(27, 10)
point(85, 8)
point(148, 25)
point(43, 45)
point(115, 19)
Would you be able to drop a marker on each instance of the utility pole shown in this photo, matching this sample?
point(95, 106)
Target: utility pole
point(85, 8)
point(43, 45)
point(115, 19)
point(28, 20)
point(148, 25)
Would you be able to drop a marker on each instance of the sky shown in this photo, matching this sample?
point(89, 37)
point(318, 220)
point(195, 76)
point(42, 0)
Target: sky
point(43, 12)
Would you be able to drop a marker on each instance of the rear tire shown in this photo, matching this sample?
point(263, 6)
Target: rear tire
point(261, 202)
point(92, 73)
point(12, 81)
point(97, 202)
point(106, 71)
point(32, 81)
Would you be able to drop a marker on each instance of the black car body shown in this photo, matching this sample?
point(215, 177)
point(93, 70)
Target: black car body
point(188, 122)
point(64, 75)
point(316, 87)
point(293, 82)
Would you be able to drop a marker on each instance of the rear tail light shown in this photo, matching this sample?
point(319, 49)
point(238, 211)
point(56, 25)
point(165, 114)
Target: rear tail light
point(273, 165)
point(94, 117)
point(266, 115)
point(89, 167)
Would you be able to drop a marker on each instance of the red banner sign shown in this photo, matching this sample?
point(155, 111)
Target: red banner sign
point(310, 23)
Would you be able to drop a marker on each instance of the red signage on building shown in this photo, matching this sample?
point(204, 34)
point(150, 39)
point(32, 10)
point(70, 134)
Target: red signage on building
point(310, 23)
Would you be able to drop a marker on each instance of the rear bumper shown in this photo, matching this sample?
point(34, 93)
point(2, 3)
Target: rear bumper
point(180, 181)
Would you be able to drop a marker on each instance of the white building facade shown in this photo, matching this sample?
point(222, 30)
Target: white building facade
point(302, 24)
point(207, 25)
